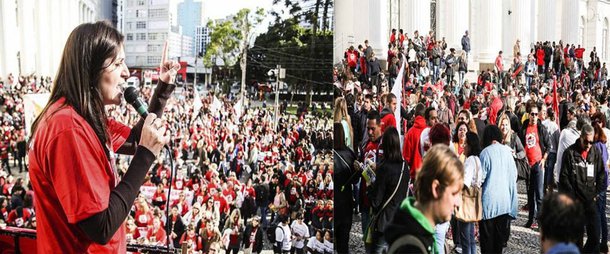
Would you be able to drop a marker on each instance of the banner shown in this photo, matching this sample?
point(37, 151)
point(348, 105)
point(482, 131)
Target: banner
point(149, 191)
point(33, 105)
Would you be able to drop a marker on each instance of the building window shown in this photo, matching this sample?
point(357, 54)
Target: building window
point(154, 59)
point(156, 13)
point(141, 2)
point(128, 25)
point(130, 37)
point(141, 36)
point(152, 48)
point(141, 25)
point(152, 36)
point(140, 13)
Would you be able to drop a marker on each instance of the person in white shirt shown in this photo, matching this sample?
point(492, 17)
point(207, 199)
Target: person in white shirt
point(283, 236)
point(328, 244)
point(300, 232)
point(315, 244)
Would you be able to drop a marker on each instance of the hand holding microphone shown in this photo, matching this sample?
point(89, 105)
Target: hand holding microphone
point(153, 135)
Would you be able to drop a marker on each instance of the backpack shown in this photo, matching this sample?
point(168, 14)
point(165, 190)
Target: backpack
point(277, 246)
point(407, 241)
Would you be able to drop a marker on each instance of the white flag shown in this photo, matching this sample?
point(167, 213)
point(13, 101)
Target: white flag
point(397, 90)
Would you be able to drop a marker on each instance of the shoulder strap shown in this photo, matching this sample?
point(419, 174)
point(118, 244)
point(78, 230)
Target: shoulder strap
point(402, 170)
point(407, 240)
point(341, 157)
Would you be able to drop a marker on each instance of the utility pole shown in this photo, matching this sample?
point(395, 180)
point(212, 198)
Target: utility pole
point(244, 60)
point(277, 95)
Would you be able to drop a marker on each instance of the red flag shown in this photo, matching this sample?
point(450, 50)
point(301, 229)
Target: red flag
point(555, 101)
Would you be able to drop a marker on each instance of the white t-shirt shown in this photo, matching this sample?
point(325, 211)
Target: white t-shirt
point(285, 236)
point(328, 247)
point(300, 230)
point(472, 164)
point(315, 245)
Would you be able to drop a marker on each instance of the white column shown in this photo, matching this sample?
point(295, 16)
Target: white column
point(416, 16)
point(343, 28)
point(546, 20)
point(360, 19)
point(522, 26)
point(379, 30)
point(571, 19)
point(593, 29)
point(26, 32)
point(452, 21)
point(486, 29)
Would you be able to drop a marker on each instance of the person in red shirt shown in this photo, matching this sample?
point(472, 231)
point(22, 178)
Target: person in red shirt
point(411, 147)
point(387, 114)
point(156, 234)
point(159, 198)
point(80, 203)
point(535, 143)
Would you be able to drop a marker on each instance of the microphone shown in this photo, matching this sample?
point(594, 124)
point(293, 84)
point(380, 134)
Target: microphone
point(131, 96)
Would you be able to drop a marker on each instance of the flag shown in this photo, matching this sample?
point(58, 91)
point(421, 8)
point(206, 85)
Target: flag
point(197, 104)
point(397, 90)
point(555, 101)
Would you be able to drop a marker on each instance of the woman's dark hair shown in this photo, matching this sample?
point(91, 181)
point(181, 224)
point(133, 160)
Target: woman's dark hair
point(338, 136)
point(455, 138)
point(78, 77)
point(390, 144)
point(491, 133)
point(474, 145)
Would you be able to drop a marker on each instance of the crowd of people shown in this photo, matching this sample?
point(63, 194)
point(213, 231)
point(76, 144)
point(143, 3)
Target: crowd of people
point(542, 119)
point(243, 180)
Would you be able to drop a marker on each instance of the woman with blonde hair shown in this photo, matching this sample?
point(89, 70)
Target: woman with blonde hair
point(438, 187)
point(341, 116)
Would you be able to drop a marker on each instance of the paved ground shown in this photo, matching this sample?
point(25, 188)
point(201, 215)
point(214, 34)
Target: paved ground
point(522, 240)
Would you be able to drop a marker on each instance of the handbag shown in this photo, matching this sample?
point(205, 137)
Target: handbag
point(472, 206)
point(373, 224)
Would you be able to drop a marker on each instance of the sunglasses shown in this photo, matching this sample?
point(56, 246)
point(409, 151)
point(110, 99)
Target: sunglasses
point(533, 114)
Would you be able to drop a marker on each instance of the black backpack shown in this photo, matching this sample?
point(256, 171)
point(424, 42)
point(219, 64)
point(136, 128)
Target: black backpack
point(277, 246)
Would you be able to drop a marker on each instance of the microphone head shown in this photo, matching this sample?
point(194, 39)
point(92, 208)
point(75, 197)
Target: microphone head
point(130, 94)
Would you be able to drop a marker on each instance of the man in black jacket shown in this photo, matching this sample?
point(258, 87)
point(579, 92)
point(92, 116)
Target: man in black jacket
point(582, 175)
point(262, 197)
point(253, 237)
point(535, 142)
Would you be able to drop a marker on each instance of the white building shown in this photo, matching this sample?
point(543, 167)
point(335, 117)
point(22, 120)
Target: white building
point(493, 25)
point(33, 33)
point(147, 24)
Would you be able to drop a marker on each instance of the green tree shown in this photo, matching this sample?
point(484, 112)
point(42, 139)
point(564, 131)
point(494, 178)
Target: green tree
point(229, 39)
point(305, 52)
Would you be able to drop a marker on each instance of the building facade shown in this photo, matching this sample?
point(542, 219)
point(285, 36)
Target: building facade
point(33, 33)
point(493, 25)
point(190, 17)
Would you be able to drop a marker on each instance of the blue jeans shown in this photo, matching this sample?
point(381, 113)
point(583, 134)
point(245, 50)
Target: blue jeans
point(440, 231)
point(469, 245)
point(263, 210)
point(528, 81)
point(535, 191)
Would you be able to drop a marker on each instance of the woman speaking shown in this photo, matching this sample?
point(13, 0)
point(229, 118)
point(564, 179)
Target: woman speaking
point(80, 202)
